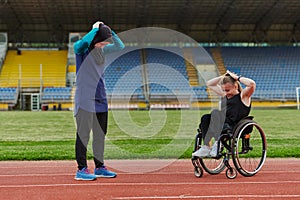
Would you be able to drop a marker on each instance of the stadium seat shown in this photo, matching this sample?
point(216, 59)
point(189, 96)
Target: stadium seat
point(59, 94)
point(8, 95)
point(166, 72)
point(51, 63)
point(275, 69)
point(123, 77)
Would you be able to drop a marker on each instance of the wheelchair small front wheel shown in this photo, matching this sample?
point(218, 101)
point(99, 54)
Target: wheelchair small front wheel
point(231, 173)
point(198, 171)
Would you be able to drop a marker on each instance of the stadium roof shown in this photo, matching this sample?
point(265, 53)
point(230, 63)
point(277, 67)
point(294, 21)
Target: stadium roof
point(50, 21)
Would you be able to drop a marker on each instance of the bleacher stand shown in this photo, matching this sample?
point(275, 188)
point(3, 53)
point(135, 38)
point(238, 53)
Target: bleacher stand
point(56, 94)
point(167, 74)
point(8, 98)
point(157, 74)
point(275, 69)
point(123, 77)
point(199, 93)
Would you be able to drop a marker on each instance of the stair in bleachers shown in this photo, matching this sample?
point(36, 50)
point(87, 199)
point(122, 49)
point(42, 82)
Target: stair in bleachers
point(191, 70)
point(217, 56)
point(34, 68)
point(71, 75)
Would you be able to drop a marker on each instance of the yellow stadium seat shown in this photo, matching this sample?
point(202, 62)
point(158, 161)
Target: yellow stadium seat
point(34, 68)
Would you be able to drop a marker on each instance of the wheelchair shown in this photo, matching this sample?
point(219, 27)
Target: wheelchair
point(247, 146)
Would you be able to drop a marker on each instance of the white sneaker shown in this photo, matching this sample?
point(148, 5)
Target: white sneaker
point(202, 152)
point(214, 150)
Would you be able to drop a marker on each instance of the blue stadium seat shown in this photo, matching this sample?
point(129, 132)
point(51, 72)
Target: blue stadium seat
point(167, 72)
point(275, 69)
point(8, 95)
point(56, 94)
point(124, 75)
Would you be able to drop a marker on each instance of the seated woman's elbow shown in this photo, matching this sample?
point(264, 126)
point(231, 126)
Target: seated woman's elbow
point(253, 84)
point(208, 84)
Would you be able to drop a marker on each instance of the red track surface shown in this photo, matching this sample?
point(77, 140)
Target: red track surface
point(279, 179)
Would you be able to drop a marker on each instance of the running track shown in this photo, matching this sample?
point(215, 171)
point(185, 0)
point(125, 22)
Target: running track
point(279, 179)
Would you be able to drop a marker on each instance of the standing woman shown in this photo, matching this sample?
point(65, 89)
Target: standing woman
point(235, 105)
point(91, 108)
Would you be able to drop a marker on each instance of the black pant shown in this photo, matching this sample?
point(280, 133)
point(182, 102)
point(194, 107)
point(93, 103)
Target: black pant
point(87, 121)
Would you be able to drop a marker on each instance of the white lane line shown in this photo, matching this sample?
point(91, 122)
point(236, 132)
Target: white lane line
point(85, 183)
point(122, 173)
point(210, 197)
point(31, 175)
point(73, 174)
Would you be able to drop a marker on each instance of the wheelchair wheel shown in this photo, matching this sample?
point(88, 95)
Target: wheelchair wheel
point(249, 148)
point(212, 165)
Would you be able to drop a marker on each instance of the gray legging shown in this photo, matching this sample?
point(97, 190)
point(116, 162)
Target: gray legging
point(212, 125)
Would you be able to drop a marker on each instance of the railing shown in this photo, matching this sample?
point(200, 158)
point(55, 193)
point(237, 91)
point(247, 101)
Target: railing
point(32, 82)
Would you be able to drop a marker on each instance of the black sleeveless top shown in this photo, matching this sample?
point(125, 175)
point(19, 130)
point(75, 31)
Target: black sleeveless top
point(235, 109)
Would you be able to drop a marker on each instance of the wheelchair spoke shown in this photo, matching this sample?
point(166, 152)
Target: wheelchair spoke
point(212, 165)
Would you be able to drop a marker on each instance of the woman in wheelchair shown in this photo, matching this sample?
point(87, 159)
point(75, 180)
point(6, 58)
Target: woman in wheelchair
point(235, 105)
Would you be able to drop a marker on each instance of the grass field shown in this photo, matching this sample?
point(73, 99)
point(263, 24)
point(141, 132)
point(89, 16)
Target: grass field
point(132, 134)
